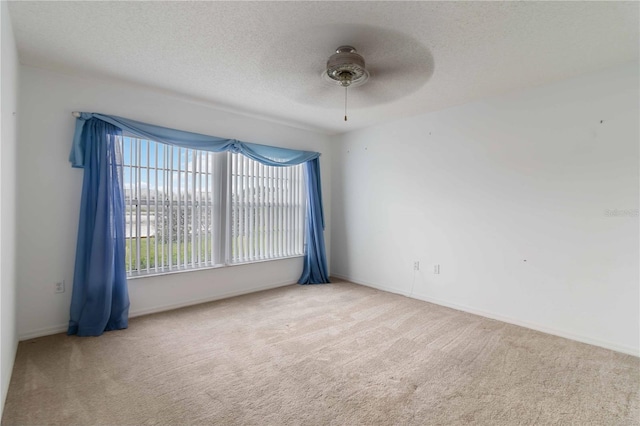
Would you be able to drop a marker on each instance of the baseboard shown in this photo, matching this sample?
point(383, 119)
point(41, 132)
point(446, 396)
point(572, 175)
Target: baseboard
point(492, 315)
point(192, 302)
point(45, 331)
point(61, 328)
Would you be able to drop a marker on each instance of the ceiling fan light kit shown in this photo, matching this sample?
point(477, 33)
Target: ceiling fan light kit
point(346, 68)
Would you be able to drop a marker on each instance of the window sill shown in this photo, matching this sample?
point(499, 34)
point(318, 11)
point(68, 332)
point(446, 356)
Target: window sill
point(180, 271)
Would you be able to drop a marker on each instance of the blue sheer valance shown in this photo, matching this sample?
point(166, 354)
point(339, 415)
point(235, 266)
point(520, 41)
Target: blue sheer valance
point(269, 155)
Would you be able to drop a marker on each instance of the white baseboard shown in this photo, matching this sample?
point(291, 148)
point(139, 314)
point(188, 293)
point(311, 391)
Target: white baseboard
point(220, 296)
point(393, 290)
point(45, 331)
point(487, 314)
point(61, 328)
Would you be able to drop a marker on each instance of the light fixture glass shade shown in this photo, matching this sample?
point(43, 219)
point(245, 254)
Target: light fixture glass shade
point(346, 68)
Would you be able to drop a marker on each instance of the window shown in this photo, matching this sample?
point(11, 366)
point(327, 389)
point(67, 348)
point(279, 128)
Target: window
point(188, 209)
point(267, 210)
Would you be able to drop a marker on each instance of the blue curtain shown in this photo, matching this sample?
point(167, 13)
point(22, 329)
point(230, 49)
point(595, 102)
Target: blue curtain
point(100, 301)
point(269, 155)
point(315, 258)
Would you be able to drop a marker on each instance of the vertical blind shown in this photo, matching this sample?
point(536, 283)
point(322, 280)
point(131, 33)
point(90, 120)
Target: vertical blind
point(267, 210)
point(188, 209)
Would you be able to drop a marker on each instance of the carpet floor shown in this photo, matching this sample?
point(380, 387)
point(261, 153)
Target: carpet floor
point(339, 354)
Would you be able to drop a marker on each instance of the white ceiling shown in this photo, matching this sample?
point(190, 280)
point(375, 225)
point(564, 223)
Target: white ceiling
point(265, 58)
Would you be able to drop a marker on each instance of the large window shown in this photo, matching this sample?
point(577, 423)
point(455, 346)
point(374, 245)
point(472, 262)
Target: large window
point(188, 209)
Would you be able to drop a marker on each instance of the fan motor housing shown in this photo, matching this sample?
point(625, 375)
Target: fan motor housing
point(346, 68)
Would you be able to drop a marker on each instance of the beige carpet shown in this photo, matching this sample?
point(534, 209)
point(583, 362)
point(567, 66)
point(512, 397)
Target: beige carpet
point(338, 354)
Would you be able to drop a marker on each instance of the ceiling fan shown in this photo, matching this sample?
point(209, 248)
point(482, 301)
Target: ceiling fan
point(307, 66)
point(346, 68)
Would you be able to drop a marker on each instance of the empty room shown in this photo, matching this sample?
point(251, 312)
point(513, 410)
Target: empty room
point(320, 213)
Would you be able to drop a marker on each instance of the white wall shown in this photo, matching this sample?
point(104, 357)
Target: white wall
point(8, 142)
point(510, 197)
point(49, 194)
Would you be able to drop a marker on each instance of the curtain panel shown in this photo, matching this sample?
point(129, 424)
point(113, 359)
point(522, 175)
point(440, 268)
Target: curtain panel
point(315, 260)
point(100, 299)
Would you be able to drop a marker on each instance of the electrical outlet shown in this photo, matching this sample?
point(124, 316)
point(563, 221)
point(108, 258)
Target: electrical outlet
point(416, 265)
point(436, 269)
point(59, 287)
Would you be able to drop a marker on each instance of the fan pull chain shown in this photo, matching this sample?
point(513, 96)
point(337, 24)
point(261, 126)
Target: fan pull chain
point(345, 103)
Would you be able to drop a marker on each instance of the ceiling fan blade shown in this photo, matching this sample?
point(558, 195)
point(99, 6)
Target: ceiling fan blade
point(398, 65)
point(381, 71)
point(322, 95)
point(372, 93)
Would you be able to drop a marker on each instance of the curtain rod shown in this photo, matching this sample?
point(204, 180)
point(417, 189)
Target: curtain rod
point(76, 114)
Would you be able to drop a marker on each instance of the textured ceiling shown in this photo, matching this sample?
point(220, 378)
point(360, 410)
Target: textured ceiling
point(265, 58)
